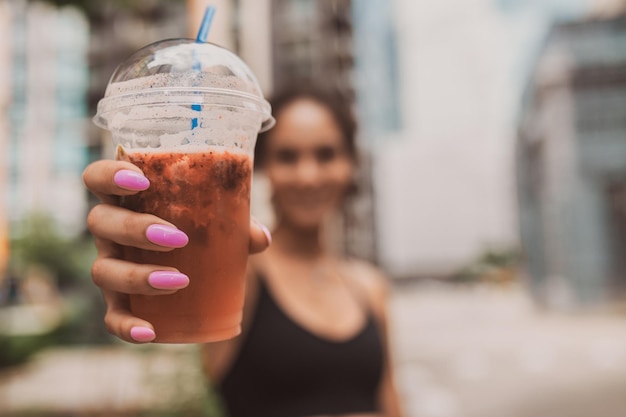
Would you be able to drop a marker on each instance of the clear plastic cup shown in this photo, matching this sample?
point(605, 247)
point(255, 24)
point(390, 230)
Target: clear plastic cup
point(188, 114)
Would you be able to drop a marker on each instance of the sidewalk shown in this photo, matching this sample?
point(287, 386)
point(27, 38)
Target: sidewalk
point(461, 351)
point(120, 380)
point(486, 351)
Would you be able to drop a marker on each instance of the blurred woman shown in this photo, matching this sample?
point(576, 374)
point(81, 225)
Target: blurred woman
point(314, 333)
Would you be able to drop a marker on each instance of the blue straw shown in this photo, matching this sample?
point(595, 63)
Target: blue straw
point(203, 34)
point(205, 26)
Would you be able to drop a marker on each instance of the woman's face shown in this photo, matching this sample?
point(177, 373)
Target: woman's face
point(307, 164)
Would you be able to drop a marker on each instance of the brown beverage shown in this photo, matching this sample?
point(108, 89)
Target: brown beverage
point(206, 195)
point(188, 113)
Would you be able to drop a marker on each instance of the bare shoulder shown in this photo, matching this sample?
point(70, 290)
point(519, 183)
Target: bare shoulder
point(371, 279)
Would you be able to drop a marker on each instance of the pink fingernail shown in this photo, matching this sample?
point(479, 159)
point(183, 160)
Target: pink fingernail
point(266, 232)
point(131, 180)
point(166, 236)
point(142, 334)
point(168, 280)
point(264, 229)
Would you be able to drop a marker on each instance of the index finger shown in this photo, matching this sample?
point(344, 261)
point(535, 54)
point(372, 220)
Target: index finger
point(108, 178)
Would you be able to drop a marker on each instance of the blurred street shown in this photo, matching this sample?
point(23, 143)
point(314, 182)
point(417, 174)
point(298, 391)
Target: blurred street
point(487, 351)
point(117, 380)
point(479, 350)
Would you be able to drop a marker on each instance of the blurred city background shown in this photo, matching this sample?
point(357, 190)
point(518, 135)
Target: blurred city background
point(493, 194)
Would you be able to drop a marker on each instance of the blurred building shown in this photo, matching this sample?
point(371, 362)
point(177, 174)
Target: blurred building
point(313, 40)
point(443, 178)
point(55, 64)
point(434, 84)
point(429, 84)
point(288, 41)
point(572, 164)
point(376, 70)
point(6, 51)
point(43, 128)
point(285, 40)
point(116, 32)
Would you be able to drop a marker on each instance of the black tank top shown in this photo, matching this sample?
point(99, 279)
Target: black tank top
point(283, 370)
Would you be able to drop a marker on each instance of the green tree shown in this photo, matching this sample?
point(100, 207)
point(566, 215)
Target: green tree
point(39, 243)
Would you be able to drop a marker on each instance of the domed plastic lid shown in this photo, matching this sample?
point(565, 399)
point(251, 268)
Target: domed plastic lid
point(183, 72)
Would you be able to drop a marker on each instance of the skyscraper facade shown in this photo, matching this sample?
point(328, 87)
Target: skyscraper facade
point(44, 138)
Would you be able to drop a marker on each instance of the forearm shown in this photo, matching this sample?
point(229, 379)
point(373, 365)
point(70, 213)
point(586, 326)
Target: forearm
point(389, 399)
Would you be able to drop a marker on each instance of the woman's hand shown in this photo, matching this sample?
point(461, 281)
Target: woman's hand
point(113, 226)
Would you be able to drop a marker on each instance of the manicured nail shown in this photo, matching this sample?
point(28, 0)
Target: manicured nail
point(267, 233)
point(166, 236)
point(131, 180)
point(142, 334)
point(168, 280)
point(265, 230)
